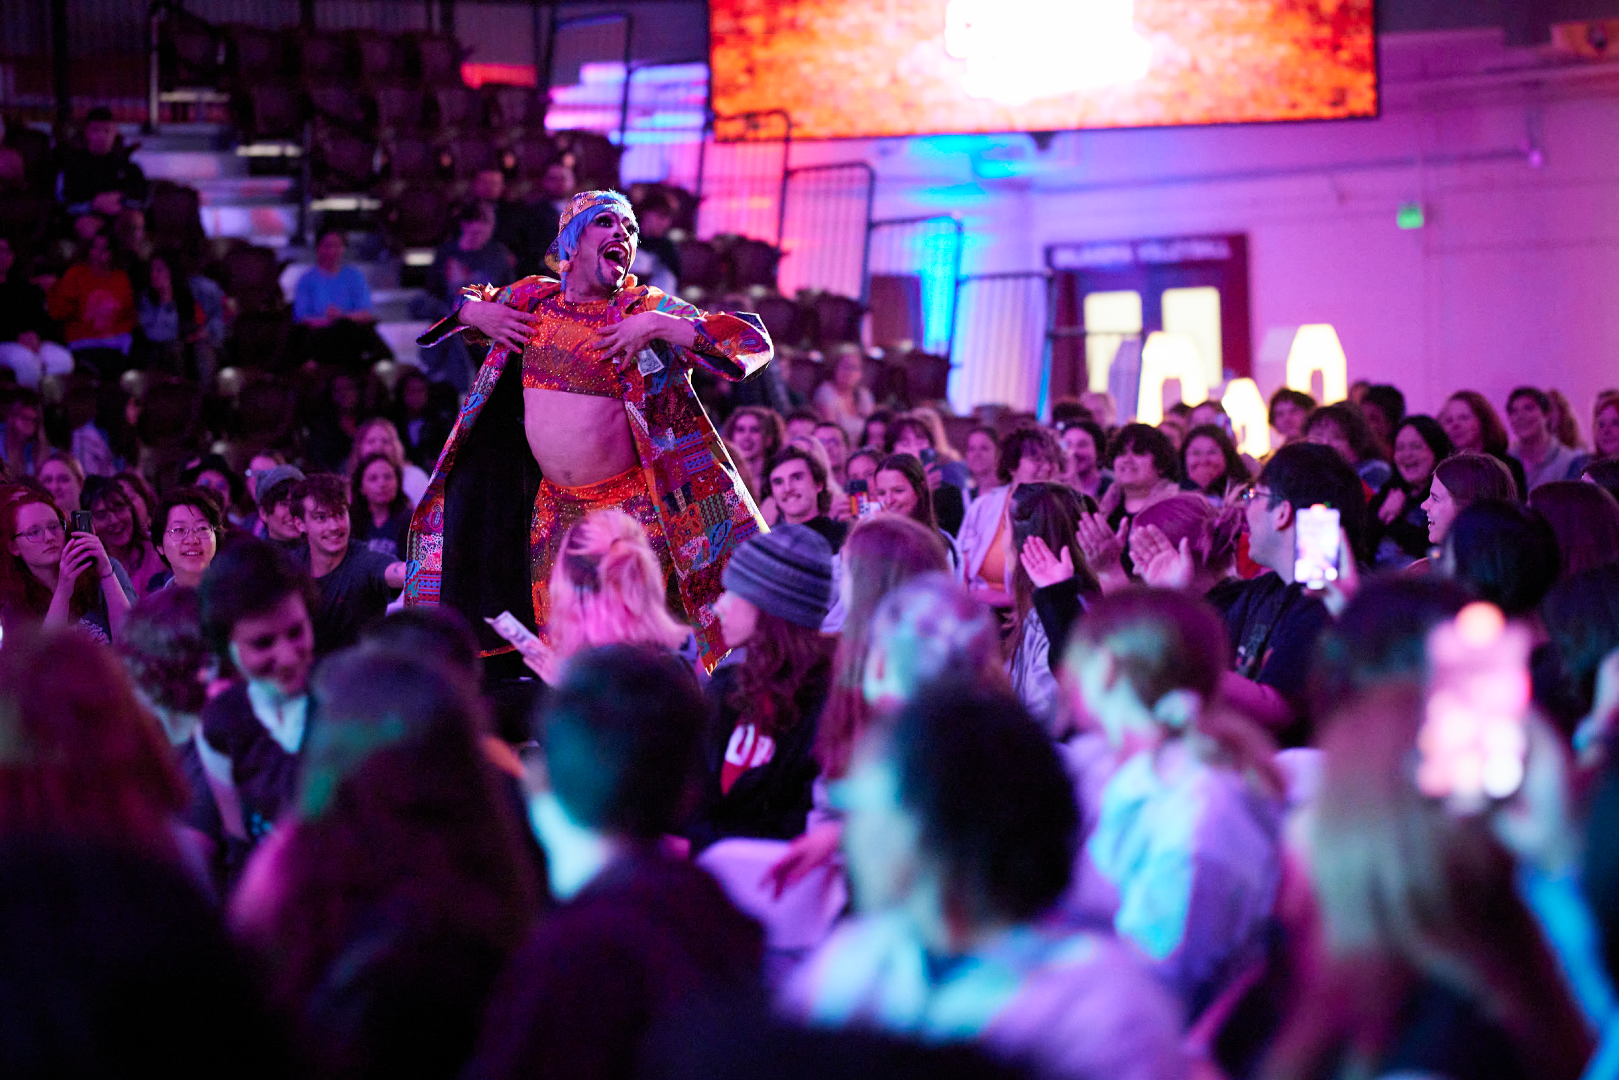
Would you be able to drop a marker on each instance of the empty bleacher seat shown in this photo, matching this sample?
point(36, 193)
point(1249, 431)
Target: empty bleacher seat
point(437, 60)
point(700, 265)
point(326, 57)
point(381, 56)
point(174, 218)
point(459, 108)
point(783, 317)
point(271, 111)
point(341, 104)
point(837, 320)
point(343, 161)
point(416, 217)
point(753, 262)
point(399, 109)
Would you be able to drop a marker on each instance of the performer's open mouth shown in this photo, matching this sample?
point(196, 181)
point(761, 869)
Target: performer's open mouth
point(617, 254)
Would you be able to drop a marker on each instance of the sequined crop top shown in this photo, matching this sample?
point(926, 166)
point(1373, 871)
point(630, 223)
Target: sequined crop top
point(562, 354)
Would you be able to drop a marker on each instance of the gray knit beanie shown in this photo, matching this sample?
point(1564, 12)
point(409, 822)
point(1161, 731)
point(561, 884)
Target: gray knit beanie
point(786, 572)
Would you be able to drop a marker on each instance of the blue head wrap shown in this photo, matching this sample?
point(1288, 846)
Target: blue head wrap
point(575, 216)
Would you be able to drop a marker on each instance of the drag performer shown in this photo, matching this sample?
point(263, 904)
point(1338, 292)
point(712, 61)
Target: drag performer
point(583, 403)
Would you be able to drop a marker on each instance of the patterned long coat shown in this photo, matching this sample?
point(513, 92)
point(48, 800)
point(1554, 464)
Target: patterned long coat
point(702, 503)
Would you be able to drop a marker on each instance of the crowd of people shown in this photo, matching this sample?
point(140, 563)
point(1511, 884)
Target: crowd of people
point(1033, 759)
point(1038, 748)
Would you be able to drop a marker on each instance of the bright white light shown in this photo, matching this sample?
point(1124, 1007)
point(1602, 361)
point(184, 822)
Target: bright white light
point(1316, 348)
point(1250, 417)
point(1018, 50)
point(1168, 356)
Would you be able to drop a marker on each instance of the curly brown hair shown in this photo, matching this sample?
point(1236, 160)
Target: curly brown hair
point(784, 665)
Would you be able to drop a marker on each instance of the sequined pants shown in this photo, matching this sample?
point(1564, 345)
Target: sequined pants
point(558, 509)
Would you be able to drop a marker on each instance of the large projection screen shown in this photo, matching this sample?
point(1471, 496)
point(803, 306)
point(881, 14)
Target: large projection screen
point(869, 68)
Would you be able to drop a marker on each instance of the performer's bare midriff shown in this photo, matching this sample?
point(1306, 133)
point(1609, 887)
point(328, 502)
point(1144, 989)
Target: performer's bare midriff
point(580, 439)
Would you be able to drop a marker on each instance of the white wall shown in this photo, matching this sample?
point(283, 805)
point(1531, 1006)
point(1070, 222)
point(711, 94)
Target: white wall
point(1515, 278)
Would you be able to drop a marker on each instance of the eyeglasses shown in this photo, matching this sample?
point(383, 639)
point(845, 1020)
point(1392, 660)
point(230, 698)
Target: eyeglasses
point(40, 533)
point(1249, 492)
point(183, 532)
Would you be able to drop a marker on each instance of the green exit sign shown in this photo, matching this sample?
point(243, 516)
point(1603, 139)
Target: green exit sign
point(1411, 216)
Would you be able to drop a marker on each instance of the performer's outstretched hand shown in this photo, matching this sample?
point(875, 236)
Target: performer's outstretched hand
point(622, 342)
point(499, 323)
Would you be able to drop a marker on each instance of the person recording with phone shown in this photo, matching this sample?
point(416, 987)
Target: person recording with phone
point(1274, 619)
point(56, 572)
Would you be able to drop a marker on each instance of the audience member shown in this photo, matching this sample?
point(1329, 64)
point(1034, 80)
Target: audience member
point(105, 952)
point(255, 617)
point(1384, 410)
point(421, 425)
point(607, 588)
point(657, 259)
point(1272, 620)
point(1433, 965)
point(1027, 455)
point(115, 520)
point(1505, 553)
point(277, 508)
point(386, 905)
point(802, 422)
point(843, 401)
point(379, 436)
point(1184, 543)
point(172, 324)
point(187, 531)
point(1343, 427)
point(55, 576)
point(63, 477)
point(1605, 426)
point(756, 434)
point(1184, 858)
point(1381, 637)
point(86, 759)
point(900, 486)
point(211, 472)
point(379, 508)
point(1042, 551)
point(1564, 426)
point(472, 257)
point(335, 425)
point(1604, 474)
point(23, 448)
point(920, 434)
point(99, 177)
point(1210, 463)
point(960, 834)
point(637, 934)
point(355, 582)
point(1585, 519)
point(1084, 446)
point(1474, 427)
point(94, 301)
point(1582, 618)
point(798, 486)
point(880, 555)
point(1396, 517)
point(759, 753)
point(836, 443)
point(1146, 469)
point(526, 229)
point(983, 460)
point(1459, 481)
point(1289, 411)
point(28, 343)
point(333, 300)
point(862, 467)
point(1542, 454)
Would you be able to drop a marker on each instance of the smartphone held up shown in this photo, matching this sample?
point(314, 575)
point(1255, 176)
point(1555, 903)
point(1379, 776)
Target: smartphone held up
point(1474, 741)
